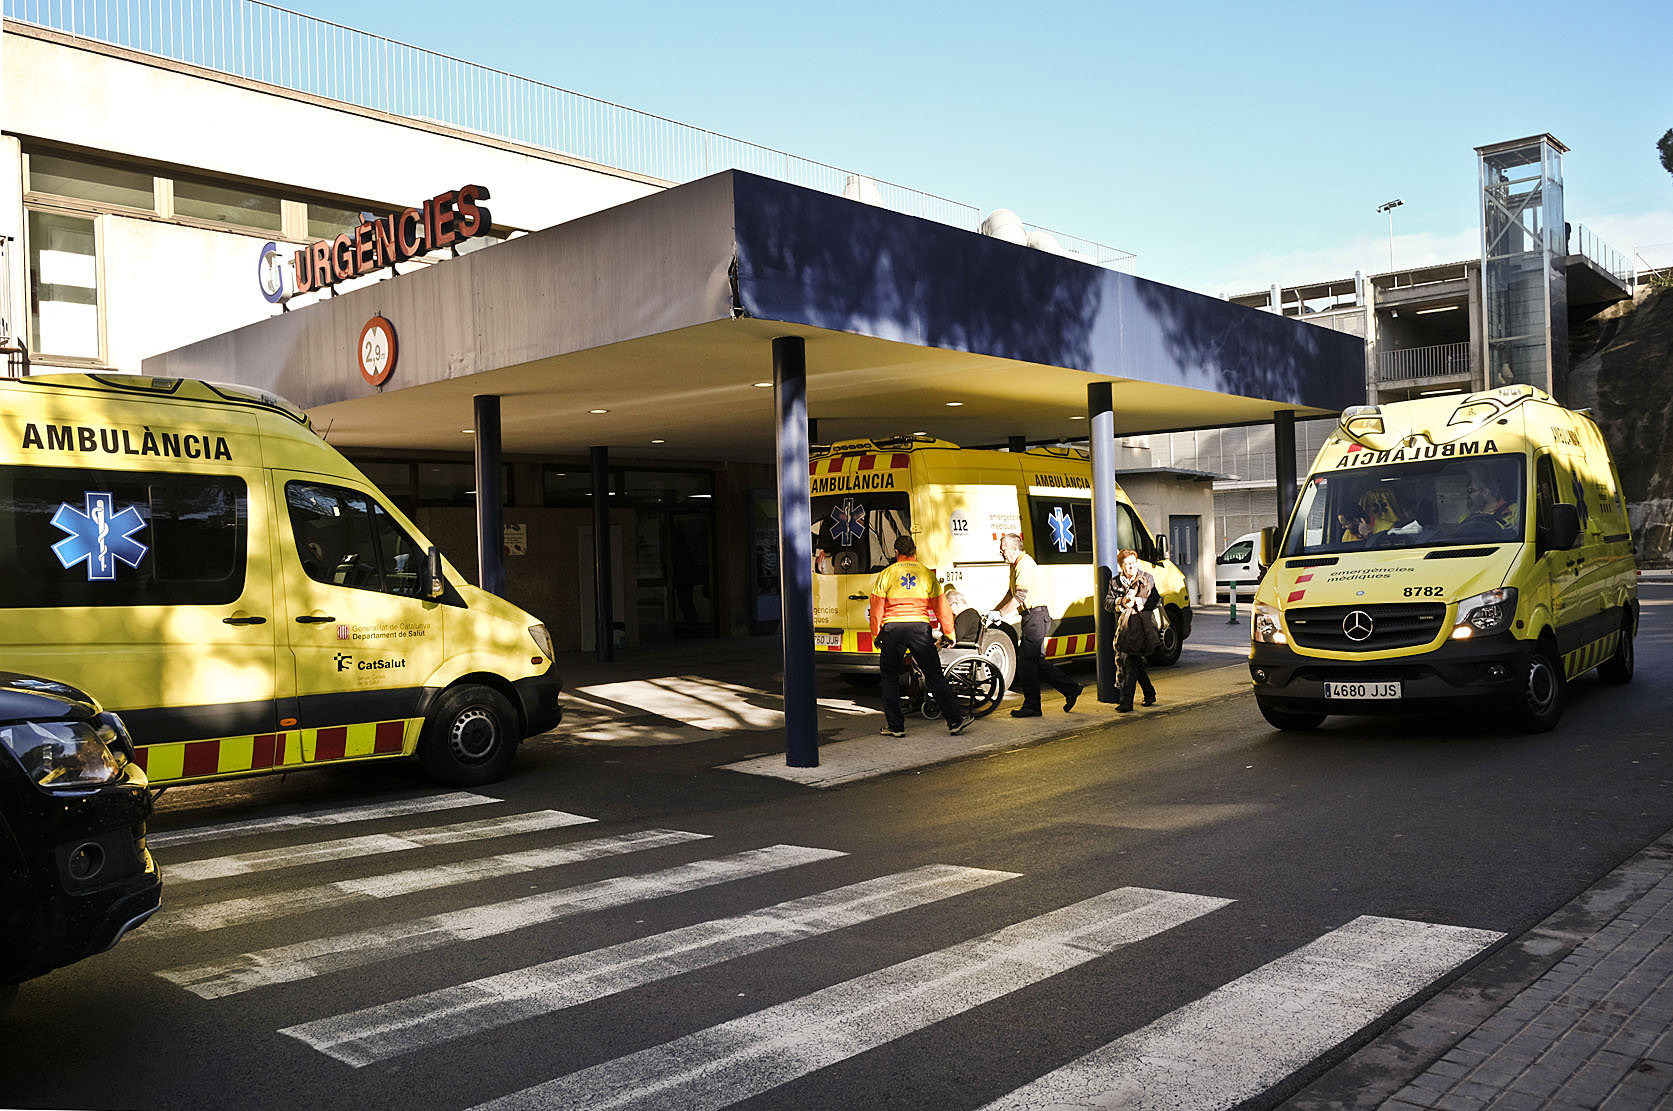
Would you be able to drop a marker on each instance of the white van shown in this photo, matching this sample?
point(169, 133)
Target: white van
point(1240, 565)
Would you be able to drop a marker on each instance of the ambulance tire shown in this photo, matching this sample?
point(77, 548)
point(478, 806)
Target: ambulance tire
point(1292, 721)
point(1617, 669)
point(1000, 651)
point(1540, 705)
point(470, 737)
point(1168, 654)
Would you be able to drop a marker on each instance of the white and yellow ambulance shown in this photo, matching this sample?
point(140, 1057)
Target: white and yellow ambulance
point(199, 560)
point(956, 503)
point(1462, 549)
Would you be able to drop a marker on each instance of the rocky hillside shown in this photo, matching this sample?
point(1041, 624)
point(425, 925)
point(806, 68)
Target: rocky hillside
point(1621, 367)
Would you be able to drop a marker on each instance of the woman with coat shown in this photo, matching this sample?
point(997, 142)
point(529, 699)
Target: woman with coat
point(1132, 596)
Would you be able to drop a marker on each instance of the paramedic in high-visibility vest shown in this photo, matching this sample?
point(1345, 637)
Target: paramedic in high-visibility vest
point(906, 603)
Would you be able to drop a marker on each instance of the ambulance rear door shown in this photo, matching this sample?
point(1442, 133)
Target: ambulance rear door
point(962, 525)
point(364, 635)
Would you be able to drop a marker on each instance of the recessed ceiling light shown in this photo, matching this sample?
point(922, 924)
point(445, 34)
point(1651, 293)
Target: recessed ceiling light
point(760, 385)
point(659, 441)
point(954, 404)
point(920, 433)
point(598, 410)
point(468, 431)
point(1077, 418)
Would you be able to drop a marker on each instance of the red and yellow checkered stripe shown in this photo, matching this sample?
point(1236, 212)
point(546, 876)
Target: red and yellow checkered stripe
point(891, 461)
point(224, 756)
point(1080, 644)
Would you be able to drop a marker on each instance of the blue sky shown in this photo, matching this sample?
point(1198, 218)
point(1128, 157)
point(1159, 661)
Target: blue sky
point(1230, 145)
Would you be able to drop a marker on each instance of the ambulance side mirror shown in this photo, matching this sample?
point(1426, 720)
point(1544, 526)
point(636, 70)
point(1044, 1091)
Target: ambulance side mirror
point(1269, 544)
point(1161, 543)
point(1564, 529)
point(436, 585)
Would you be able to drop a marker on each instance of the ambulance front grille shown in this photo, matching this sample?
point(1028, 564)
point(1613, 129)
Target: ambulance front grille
point(1395, 625)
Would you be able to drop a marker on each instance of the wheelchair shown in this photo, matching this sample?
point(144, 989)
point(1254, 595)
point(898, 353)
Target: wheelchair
point(974, 681)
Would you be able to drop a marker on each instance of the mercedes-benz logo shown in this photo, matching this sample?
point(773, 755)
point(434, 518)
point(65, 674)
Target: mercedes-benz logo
point(1357, 626)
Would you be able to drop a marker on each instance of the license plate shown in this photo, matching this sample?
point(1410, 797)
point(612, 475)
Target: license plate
point(827, 640)
point(1362, 690)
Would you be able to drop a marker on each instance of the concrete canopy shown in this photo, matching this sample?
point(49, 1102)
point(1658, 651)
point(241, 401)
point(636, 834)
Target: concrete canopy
point(661, 312)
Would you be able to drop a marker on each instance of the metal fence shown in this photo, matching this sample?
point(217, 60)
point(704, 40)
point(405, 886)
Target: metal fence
point(262, 42)
point(1444, 360)
point(1585, 241)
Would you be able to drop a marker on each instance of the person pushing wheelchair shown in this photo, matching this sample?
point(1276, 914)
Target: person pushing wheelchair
point(906, 602)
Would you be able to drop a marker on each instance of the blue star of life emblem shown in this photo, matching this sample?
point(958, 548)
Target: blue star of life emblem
point(848, 522)
point(101, 536)
point(1062, 529)
point(909, 580)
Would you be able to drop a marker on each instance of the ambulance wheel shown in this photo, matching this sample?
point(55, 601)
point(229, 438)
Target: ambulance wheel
point(1617, 669)
point(1168, 654)
point(1000, 651)
point(469, 737)
point(1294, 721)
point(1540, 705)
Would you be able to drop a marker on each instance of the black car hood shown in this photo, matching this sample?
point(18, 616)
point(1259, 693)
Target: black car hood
point(30, 698)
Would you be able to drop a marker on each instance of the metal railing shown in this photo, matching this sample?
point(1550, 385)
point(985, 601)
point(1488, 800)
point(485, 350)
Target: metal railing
point(261, 42)
point(1444, 360)
point(1584, 241)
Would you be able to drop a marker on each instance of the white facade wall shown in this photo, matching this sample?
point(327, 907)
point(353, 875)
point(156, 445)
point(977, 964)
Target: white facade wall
point(165, 284)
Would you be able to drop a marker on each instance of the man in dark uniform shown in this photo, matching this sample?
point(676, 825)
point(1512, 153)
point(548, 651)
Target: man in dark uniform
point(1032, 665)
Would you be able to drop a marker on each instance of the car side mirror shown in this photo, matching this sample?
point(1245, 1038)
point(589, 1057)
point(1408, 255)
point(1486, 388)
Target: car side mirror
point(1565, 526)
point(1269, 542)
point(437, 585)
point(1161, 543)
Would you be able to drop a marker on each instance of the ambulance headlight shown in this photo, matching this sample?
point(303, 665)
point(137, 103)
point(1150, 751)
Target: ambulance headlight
point(1488, 612)
point(1268, 626)
point(542, 640)
point(68, 753)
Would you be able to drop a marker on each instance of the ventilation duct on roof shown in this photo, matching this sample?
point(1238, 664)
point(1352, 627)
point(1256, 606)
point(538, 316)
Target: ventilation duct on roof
point(860, 188)
point(1004, 224)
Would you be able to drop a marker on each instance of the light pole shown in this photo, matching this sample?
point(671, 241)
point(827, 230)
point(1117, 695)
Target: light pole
point(1389, 207)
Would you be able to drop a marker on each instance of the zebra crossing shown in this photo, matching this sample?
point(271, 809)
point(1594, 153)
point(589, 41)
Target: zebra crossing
point(1217, 1051)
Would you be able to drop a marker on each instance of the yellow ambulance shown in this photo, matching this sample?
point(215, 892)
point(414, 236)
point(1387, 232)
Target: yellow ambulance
point(956, 503)
point(1449, 551)
point(202, 562)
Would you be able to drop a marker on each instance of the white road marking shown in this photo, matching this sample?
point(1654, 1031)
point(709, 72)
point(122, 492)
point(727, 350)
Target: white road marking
point(285, 963)
point(281, 904)
point(264, 860)
point(736, 1060)
point(406, 1025)
point(1241, 1039)
point(451, 801)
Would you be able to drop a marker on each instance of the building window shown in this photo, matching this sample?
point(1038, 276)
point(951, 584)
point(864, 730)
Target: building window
point(328, 222)
point(63, 286)
point(220, 204)
point(90, 181)
point(455, 484)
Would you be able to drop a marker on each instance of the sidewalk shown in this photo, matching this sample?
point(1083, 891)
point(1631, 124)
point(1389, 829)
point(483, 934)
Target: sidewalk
point(692, 691)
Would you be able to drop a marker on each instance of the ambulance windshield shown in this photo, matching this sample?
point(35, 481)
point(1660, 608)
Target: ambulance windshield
point(1426, 504)
point(854, 534)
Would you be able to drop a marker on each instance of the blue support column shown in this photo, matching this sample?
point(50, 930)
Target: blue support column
point(490, 519)
point(1283, 463)
point(795, 552)
point(604, 593)
point(1100, 413)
